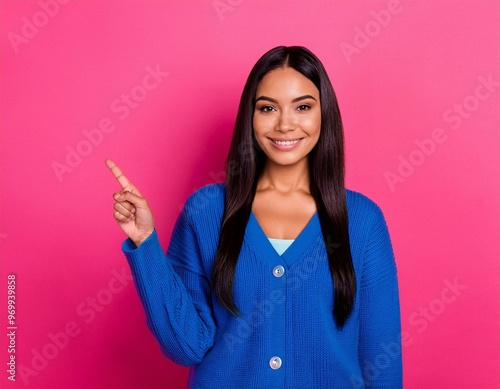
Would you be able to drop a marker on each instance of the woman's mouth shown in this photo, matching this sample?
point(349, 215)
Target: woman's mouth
point(285, 144)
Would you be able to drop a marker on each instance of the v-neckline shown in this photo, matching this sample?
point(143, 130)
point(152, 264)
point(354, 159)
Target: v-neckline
point(293, 253)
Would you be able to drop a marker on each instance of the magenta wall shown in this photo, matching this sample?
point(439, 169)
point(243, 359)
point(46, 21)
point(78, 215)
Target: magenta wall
point(419, 87)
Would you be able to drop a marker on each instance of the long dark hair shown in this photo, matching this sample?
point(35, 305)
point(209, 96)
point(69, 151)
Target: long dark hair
point(326, 165)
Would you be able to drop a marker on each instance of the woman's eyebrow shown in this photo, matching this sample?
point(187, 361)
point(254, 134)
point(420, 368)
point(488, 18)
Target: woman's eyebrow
point(303, 98)
point(267, 99)
point(293, 101)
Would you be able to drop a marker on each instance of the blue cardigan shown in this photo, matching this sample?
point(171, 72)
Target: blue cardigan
point(286, 336)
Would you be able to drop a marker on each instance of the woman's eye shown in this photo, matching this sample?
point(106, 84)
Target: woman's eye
point(303, 107)
point(266, 108)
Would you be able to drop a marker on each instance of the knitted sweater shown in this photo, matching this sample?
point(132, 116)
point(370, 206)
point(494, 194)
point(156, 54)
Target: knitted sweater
point(286, 336)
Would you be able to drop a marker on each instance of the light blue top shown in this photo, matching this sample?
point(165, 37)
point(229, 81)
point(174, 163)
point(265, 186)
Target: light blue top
point(280, 245)
point(286, 336)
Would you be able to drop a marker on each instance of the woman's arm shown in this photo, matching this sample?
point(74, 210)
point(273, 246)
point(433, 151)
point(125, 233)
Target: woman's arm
point(176, 302)
point(174, 293)
point(380, 321)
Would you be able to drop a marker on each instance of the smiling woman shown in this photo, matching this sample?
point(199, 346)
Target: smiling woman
point(287, 125)
point(283, 275)
point(290, 120)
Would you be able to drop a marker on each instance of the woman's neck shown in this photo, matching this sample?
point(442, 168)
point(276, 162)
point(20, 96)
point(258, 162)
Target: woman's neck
point(285, 178)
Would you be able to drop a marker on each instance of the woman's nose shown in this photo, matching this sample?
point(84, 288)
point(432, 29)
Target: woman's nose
point(286, 122)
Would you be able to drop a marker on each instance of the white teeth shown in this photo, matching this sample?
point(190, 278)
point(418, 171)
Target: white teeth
point(286, 142)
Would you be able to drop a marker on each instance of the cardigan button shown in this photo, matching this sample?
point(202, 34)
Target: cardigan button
point(278, 271)
point(275, 363)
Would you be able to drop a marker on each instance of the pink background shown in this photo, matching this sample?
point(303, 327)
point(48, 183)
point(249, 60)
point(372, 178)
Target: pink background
point(400, 70)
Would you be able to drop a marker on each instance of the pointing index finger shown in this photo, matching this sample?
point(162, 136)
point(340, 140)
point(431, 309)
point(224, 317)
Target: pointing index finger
point(122, 180)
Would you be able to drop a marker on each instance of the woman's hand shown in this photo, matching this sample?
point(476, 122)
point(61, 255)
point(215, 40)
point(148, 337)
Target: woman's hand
point(132, 211)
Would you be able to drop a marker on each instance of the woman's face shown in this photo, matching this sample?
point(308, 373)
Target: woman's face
point(287, 116)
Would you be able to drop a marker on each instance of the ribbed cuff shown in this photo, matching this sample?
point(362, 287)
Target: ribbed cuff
point(129, 247)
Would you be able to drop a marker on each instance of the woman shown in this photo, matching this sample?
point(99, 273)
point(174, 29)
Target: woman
point(280, 277)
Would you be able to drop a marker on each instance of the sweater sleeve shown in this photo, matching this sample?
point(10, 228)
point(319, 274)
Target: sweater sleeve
point(380, 321)
point(174, 293)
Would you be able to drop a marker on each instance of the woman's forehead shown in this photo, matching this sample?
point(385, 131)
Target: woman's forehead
point(286, 83)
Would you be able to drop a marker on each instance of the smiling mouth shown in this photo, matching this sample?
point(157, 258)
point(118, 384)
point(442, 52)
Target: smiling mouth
point(288, 142)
